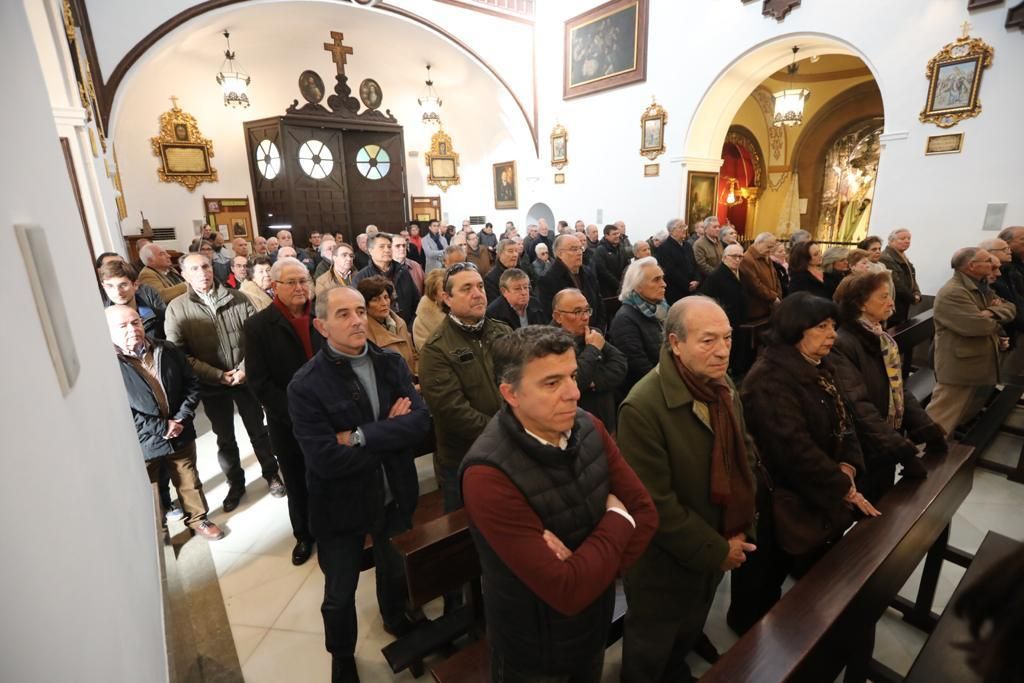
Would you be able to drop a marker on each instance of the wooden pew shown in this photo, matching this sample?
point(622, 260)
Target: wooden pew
point(804, 637)
point(941, 658)
point(429, 507)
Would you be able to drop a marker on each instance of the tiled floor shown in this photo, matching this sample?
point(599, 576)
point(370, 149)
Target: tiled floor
point(274, 607)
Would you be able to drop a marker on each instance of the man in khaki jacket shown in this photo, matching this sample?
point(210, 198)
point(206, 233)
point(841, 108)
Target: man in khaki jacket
point(968, 339)
point(708, 249)
point(159, 274)
point(207, 323)
point(760, 281)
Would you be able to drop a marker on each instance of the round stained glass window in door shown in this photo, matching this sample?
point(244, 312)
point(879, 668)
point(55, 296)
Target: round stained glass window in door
point(316, 159)
point(373, 162)
point(268, 159)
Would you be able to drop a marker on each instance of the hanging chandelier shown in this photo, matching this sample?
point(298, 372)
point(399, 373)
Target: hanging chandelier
point(789, 103)
point(232, 79)
point(430, 103)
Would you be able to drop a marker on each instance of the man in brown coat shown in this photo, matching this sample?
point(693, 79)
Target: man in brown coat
point(760, 281)
point(968, 319)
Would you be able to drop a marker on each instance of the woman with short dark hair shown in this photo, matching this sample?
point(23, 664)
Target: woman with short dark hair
point(889, 419)
point(808, 446)
point(805, 272)
point(384, 327)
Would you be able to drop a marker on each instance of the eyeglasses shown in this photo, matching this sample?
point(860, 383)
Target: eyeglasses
point(573, 250)
point(457, 268)
point(294, 283)
point(578, 312)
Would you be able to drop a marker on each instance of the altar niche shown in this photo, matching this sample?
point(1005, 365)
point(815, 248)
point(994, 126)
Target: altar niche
point(329, 168)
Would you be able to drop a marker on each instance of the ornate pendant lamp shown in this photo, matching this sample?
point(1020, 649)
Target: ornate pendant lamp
point(232, 79)
point(430, 103)
point(789, 103)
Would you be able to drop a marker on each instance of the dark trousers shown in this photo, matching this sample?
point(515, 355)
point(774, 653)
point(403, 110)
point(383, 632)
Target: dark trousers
point(163, 483)
point(341, 559)
point(655, 645)
point(219, 403)
point(451, 492)
point(293, 467)
point(181, 468)
point(586, 672)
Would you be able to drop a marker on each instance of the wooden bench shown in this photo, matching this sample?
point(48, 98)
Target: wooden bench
point(805, 636)
point(941, 658)
point(429, 507)
point(913, 332)
point(439, 558)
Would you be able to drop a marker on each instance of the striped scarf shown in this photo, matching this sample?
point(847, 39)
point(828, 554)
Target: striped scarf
point(893, 369)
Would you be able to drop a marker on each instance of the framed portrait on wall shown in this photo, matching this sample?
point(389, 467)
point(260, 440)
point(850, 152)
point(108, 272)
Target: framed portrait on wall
point(954, 78)
point(559, 147)
point(506, 193)
point(652, 131)
point(701, 196)
point(605, 47)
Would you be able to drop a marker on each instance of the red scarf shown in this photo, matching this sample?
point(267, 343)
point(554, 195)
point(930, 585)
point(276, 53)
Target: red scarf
point(732, 482)
point(300, 323)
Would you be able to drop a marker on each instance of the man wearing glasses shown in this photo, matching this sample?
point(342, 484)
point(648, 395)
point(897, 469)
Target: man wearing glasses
point(515, 307)
point(207, 324)
point(567, 272)
point(279, 340)
point(600, 367)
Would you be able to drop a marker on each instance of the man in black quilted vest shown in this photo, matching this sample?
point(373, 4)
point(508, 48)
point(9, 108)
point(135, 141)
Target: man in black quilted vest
point(556, 515)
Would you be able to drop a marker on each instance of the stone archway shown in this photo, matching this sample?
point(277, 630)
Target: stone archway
point(538, 211)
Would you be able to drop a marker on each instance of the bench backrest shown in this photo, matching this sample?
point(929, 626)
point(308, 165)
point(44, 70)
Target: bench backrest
point(439, 557)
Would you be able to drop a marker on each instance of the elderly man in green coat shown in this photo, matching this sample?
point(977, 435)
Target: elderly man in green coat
point(682, 430)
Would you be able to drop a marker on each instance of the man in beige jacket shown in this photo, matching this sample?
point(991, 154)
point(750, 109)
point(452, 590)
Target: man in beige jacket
point(159, 274)
point(968, 339)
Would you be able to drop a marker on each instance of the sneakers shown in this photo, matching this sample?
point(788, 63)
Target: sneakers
point(277, 489)
point(175, 513)
point(208, 530)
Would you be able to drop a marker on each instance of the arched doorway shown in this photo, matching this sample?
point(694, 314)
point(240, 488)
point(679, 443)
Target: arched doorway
point(742, 84)
point(538, 211)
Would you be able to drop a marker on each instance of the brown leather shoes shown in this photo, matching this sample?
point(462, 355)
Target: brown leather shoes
point(208, 530)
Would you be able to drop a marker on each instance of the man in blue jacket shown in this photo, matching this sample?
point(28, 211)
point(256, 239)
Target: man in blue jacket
point(356, 416)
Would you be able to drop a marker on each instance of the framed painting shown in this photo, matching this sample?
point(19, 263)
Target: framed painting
point(506, 193)
point(442, 162)
point(954, 78)
point(652, 131)
point(701, 196)
point(559, 147)
point(605, 47)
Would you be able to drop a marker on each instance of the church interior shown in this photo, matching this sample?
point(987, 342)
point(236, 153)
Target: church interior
point(155, 121)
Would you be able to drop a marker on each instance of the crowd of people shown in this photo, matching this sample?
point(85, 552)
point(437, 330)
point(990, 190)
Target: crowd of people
point(595, 404)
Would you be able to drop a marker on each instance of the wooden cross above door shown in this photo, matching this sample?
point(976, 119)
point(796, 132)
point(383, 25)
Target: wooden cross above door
point(338, 51)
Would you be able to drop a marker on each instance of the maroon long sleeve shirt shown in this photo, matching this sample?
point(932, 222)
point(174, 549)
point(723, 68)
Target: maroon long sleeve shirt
point(514, 531)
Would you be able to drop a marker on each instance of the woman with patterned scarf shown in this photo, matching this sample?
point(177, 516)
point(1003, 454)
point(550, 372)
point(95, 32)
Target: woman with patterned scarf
point(637, 329)
point(805, 436)
point(889, 420)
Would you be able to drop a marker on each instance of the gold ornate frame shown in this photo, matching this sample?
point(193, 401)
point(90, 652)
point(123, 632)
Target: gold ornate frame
point(184, 153)
point(559, 132)
point(442, 161)
point(653, 149)
point(963, 51)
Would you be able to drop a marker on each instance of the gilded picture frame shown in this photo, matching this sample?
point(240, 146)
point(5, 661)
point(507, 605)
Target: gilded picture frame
point(559, 147)
point(183, 151)
point(605, 47)
point(954, 80)
point(442, 161)
point(701, 196)
point(506, 189)
point(652, 131)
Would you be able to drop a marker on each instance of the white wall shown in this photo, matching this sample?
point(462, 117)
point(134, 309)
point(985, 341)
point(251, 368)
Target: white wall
point(941, 198)
point(80, 594)
point(485, 124)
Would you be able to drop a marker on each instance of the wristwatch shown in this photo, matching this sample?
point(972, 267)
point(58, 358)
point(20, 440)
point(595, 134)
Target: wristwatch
point(356, 439)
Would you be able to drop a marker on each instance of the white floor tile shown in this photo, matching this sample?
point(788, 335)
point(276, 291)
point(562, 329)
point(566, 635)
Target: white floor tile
point(246, 640)
point(287, 656)
point(257, 588)
point(303, 611)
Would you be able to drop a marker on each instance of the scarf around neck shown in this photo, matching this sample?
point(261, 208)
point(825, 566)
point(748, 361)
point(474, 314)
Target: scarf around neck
point(656, 311)
point(893, 370)
point(732, 482)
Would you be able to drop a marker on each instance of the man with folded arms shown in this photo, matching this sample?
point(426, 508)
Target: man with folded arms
point(555, 513)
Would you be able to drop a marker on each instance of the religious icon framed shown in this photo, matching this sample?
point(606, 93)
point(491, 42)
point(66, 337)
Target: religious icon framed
point(701, 196)
point(506, 192)
point(442, 162)
point(605, 47)
point(652, 131)
point(559, 147)
point(954, 79)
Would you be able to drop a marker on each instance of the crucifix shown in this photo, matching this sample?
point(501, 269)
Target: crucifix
point(966, 28)
point(174, 101)
point(338, 51)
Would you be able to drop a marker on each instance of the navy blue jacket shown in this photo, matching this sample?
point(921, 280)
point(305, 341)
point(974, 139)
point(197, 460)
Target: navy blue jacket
point(181, 386)
point(346, 486)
